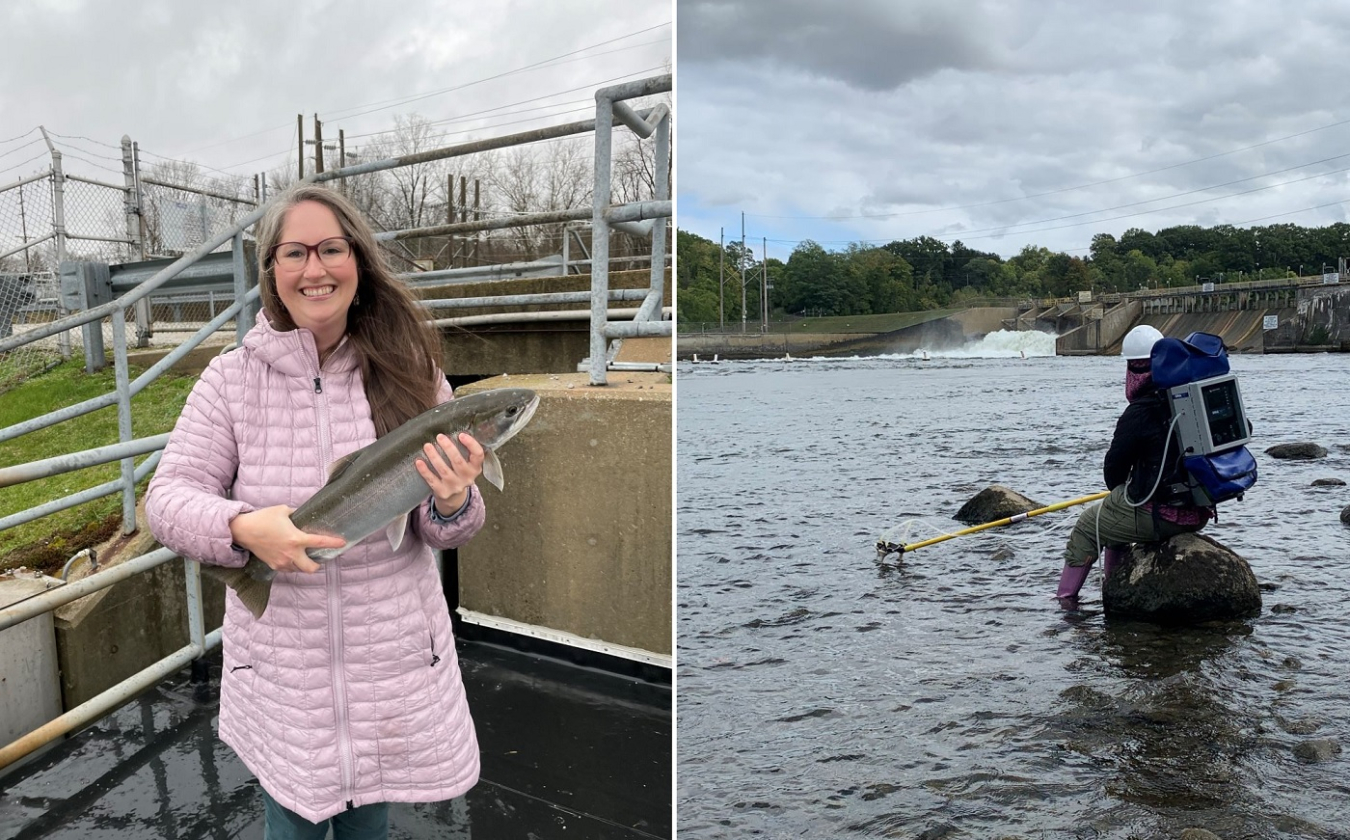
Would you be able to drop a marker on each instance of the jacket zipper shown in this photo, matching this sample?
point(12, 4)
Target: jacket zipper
point(335, 638)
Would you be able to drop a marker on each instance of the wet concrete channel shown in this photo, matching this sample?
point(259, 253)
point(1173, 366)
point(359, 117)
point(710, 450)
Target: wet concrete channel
point(567, 750)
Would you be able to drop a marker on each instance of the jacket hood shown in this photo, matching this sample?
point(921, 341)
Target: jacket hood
point(294, 352)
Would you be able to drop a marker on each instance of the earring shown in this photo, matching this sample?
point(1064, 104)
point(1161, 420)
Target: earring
point(356, 299)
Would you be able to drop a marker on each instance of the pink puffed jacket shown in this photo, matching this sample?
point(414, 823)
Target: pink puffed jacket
point(347, 691)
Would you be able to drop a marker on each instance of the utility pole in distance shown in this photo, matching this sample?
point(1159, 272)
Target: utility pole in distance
point(318, 144)
point(764, 284)
point(721, 276)
point(742, 272)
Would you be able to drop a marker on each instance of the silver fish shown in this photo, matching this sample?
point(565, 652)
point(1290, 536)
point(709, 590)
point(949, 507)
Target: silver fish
point(375, 487)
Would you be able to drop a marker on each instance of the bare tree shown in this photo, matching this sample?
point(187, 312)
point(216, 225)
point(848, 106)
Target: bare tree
point(539, 179)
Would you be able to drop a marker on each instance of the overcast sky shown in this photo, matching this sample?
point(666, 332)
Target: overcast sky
point(220, 83)
point(1005, 123)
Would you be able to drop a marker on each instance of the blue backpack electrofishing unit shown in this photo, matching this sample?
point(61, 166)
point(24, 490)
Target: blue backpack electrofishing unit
point(1211, 425)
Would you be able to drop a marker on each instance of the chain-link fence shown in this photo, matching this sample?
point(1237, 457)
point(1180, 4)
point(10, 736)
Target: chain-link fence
point(149, 217)
point(27, 283)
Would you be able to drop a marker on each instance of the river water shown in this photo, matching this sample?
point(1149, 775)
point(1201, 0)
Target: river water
point(824, 694)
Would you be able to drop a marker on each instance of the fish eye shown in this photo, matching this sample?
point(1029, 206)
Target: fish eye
point(512, 410)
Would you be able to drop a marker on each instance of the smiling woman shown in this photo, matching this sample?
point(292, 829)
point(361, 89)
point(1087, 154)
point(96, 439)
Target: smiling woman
point(353, 660)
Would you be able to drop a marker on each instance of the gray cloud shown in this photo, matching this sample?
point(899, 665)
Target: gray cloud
point(1002, 114)
point(871, 44)
point(182, 78)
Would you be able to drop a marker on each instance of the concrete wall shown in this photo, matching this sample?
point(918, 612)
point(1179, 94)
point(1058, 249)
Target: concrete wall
point(756, 346)
point(982, 320)
point(1099, 335)
point(106, 637)
point(30, 693)
point(1241, 330)
point(580, 539)
point(938, 333)
point(542, 347)
point(1322, 319)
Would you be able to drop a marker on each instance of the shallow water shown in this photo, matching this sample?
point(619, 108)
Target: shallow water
point(824, 694)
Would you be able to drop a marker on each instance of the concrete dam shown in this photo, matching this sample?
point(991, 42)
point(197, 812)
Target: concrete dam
point(1282, 316)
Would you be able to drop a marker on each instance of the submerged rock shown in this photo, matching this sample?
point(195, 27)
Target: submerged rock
point(1302, 451)
point(1187, 579)
point(1345, 515)
point(993, 503)
point(1317, 750)
point(1328, 482)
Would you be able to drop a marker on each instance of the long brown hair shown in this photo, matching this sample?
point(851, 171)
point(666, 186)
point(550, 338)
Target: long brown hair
point(398, 351)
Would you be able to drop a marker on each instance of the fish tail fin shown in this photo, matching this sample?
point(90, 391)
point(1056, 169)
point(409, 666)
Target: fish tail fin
point(254, 593)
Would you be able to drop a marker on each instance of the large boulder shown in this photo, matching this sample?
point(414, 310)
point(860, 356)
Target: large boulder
point(993, 503)
point(1345, 515)
point(1187, 579)
point(1302, 451)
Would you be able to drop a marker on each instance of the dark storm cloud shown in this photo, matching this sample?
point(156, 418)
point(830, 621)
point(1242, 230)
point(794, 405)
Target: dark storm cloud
point(871, 44)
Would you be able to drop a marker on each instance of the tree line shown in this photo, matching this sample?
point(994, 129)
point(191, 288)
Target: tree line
point(926, 273)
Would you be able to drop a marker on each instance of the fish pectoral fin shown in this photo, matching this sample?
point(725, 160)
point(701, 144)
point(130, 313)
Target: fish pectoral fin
point(492, 469)
point(395, 529)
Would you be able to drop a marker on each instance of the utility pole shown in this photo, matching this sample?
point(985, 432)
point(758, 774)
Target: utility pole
point(318, 145)
point(300, 138)
point(742, 272)
point(764, 284)
point(721, 275)
point(450, 214)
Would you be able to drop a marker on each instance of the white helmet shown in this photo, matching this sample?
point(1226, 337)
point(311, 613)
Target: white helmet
point(1139, 341)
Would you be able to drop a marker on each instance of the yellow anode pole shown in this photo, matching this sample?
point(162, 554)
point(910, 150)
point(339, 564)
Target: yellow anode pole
point(884, 548)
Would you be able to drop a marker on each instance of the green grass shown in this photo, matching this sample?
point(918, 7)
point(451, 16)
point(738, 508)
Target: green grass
point(16, 366)
point(48, 542)
point(857, 323)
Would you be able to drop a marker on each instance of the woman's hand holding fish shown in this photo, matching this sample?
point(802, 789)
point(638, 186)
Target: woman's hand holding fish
point(449, 472)
point(269, 535)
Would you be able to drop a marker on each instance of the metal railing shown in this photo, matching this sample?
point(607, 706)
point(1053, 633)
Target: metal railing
point(242, 309)
point(610, 103)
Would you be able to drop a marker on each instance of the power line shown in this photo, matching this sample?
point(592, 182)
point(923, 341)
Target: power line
point(336, 114)
point(536, 65)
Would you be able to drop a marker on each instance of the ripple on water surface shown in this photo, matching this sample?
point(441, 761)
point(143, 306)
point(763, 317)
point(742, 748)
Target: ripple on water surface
point(823, 694)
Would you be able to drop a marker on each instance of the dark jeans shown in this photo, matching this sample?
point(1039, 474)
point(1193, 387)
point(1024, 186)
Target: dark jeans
point(369, 822)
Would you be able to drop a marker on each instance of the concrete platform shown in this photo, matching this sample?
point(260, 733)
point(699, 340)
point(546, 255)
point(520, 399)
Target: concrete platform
point(567, 751)
point(579, 540)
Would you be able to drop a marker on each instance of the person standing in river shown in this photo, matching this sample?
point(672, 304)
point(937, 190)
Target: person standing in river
point(345, 694)
point(1142, 506)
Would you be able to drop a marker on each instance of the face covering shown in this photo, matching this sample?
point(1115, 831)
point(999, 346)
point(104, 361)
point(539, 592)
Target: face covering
point(1136, 381)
